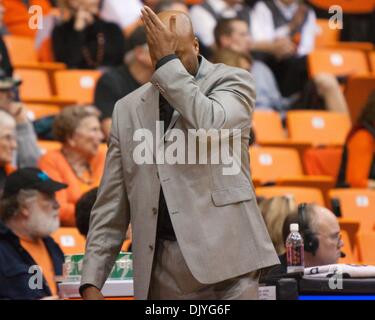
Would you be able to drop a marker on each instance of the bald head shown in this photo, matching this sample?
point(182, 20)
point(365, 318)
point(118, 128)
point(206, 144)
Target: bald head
point(188, 46)
point(184, 27)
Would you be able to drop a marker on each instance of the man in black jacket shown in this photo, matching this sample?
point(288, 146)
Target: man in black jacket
point(29, 258)
point(120, 81)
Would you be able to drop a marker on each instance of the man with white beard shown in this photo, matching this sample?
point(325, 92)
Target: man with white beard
point(29, 258)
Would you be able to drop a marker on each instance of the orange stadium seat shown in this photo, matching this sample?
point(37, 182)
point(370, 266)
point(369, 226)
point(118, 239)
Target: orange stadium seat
point(38, 111)
point(339, 62)
point(21, 49)
point(35, 84)
point(366, 245)
point(325, 35)
point(268, 164)
point(268, 127)
point(348, 6)
point(46, 146)
point(357, 204)
point(357, 92)
point(300, 195)
point(372, 62)
point(70, 240)
point(318, 127)
point(366, 47)
point(78, 85)
point(126, 245)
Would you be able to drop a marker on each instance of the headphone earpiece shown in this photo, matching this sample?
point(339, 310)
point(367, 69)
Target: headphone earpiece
point(311, 242)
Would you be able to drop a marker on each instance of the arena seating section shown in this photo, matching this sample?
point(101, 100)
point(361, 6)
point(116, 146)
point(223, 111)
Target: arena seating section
point(300, 160)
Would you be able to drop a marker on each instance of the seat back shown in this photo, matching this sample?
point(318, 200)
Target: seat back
point(357, 204)
point(35, 84)
point(270, 163)
point(339, 62)
point(318, 127)
point(78, 85)
point(268, 127)
point(357, 91)
point(45, 145)
point(21, 49)
point(348, 6)
point(300, 195)
point(70, 240)
point(366, 245)
point(325, 35)
point(38, 111)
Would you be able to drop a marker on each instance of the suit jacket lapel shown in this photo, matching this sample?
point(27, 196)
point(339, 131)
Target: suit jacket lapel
point(148, 113)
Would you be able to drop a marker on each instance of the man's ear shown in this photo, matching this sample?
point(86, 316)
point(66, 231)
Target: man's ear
point(196, 45)
point(24, 212)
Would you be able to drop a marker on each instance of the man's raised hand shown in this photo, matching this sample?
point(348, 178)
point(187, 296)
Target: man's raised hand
point(162, 41)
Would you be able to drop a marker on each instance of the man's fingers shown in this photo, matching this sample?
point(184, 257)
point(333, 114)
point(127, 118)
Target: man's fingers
point(172, 23)
point(154, 18)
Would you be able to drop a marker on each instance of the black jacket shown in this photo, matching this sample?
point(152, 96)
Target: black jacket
point(15, 262)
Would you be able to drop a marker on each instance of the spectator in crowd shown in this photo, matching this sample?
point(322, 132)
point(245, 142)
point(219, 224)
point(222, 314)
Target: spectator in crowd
point(8, 146)
point(28, 152)
point(321, 233)
point(79, 163)
point(285, 30)
point(275, 211)
point(83, 210)
point(358, 160)
point(5, 63)
point(28, 215)
point(205, 16)
point(126, 14)
point(234, 34)
point(85, 41)
point(119, 81)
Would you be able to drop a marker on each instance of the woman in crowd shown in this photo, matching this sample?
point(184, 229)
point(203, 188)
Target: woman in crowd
point(80, 161)
point(8, 145)
point(358, 160)
point(85, 41)
point(275, 211)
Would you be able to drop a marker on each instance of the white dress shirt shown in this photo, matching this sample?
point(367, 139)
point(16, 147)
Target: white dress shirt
point(204, 23)
point(122, 12)
point(263, 28)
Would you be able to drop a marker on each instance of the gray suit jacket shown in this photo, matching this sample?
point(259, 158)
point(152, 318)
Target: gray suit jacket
point(217, 223)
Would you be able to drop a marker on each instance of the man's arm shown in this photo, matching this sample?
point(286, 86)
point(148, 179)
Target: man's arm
point(229, 105)
point(109, 221)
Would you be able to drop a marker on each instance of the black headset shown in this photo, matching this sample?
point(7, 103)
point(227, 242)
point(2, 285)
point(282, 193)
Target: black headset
point(311, 242)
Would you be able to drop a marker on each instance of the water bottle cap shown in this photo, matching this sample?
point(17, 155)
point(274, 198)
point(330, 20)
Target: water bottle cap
point(294, 227)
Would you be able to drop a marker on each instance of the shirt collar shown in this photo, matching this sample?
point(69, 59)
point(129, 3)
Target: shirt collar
point(288, 11)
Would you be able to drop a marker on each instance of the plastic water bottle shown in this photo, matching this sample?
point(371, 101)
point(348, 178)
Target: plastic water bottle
point(294, 250)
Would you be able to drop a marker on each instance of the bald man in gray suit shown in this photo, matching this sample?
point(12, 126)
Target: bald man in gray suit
point(197, 230)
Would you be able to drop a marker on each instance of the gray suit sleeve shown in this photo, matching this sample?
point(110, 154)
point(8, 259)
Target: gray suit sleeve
point(110, 217)
point(28, 152)
point(228, 105)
